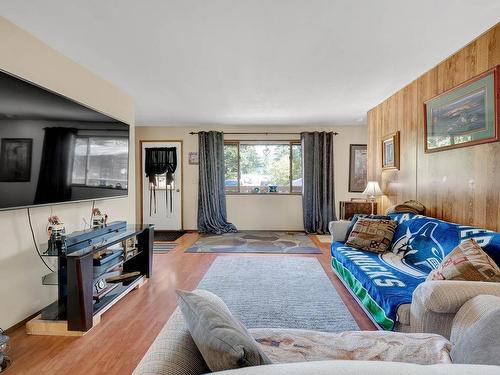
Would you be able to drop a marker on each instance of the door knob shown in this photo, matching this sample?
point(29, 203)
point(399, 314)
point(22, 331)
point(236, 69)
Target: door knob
point(178, 190)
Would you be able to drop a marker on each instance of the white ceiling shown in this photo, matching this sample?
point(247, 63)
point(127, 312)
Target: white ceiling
point(266, 62)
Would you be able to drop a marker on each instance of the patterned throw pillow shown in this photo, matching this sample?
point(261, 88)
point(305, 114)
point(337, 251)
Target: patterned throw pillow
point(467, 262)
point(360, 216)
point(372, 234)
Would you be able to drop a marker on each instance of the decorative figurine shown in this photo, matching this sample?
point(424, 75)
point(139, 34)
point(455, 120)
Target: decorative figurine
point(4, 345)
point(98, 219)
point(57, 234)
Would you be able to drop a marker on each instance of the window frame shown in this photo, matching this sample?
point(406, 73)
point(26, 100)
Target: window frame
point(85, 185)
point(238, 142)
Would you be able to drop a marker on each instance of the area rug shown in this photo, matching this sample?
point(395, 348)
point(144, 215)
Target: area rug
point(279, 292)
point(163, 247)
point(324, 238)
point(255, 242)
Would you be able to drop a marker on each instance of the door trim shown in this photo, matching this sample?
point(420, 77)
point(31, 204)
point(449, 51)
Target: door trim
point(181, 164)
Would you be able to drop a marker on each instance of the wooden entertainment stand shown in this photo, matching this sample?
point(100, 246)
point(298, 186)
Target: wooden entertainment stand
point(87, 265)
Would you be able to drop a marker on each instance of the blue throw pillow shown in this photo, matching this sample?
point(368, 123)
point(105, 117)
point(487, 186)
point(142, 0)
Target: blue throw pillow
point(355, 218)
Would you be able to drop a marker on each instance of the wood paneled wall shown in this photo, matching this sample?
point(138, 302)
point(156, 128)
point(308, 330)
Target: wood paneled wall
point(460, 185)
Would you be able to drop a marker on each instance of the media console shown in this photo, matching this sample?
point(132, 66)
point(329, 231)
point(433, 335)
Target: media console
point(96, 268)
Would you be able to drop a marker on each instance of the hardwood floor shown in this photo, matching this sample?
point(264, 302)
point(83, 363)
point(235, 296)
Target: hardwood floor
point(126, 331)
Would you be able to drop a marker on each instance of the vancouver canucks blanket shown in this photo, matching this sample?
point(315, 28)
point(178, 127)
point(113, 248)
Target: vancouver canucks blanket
point(383, 282)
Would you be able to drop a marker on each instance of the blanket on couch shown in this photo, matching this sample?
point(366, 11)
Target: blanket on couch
point(383, 282)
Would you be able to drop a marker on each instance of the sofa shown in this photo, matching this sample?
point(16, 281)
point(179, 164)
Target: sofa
point(472, 348)
point(392, 287)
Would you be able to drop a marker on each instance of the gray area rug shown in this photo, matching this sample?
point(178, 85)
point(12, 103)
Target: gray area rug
point(255, 242)
point(278, 292)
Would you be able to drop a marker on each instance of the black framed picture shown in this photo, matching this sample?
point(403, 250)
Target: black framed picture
point(15, 159)
point(357, 168)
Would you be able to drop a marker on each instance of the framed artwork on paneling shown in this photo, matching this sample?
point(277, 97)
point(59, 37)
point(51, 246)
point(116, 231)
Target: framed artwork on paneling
point(357, 168)
point(390, 151)
point(464, 116)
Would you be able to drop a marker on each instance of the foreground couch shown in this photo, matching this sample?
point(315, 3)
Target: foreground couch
point(174, 352)
point(391, 287)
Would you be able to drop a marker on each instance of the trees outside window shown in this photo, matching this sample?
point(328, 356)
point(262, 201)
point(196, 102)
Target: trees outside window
point(257, 167)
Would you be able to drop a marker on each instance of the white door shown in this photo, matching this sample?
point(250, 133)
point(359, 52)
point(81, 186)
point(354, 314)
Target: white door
point(168, 200)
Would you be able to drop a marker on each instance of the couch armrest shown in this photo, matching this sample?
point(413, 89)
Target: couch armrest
point(338, 229)
point(475, 332)
point(448, 296)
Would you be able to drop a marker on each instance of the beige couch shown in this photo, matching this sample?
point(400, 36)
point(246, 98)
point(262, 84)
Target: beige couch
point(175, 353)
point(434, 303)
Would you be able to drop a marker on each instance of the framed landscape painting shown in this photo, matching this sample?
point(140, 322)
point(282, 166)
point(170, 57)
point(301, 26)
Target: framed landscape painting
point(357, 168)
point(465, 115)
point(15, 160)
point(390, 151)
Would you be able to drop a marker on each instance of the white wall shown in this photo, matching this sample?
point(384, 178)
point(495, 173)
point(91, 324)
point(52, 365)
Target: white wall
point(257, 212)
point(21, 291)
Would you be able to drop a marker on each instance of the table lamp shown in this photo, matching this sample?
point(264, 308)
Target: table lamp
point(372, 191)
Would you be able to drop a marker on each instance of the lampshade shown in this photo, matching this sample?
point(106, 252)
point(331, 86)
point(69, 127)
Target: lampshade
point(372, 189)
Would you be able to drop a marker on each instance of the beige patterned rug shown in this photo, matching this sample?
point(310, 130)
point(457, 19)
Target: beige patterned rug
point(255, 242)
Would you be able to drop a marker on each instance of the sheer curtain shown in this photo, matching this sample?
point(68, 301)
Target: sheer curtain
point(212, 216)
point(318, 197)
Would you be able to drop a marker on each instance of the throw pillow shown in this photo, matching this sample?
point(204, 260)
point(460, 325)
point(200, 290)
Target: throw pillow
point(372, 234)
point(223, 341)
point(358, 216)
point(467, 262)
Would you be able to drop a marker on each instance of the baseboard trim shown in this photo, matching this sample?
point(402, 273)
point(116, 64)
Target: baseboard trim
point(22, 322)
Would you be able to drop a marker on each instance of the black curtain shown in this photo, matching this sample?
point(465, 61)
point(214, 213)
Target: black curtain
point(160, 160)
point(212, 216)
point(318, 199)
point(56, 166)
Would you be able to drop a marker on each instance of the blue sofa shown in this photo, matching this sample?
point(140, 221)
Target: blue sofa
point(384, 283)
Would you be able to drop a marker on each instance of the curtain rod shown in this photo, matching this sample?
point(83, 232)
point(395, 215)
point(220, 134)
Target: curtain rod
point(265, 133)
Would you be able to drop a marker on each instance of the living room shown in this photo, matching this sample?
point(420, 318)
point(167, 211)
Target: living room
point(315, 184)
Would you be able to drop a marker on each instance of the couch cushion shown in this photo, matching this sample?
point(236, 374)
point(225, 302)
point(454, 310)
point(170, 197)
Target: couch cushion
point(382, 282)
point(403, 314)
point(294, 345)
point(372, 234)
point(467, 262)
point(222, 340)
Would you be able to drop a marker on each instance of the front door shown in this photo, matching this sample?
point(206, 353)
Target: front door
point(162, 206)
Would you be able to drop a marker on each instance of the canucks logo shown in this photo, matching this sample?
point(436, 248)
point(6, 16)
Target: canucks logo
point(482, 236)
point(416, 253)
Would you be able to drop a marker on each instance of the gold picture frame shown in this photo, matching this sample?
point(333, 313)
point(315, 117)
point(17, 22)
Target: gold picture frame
point(390, 151)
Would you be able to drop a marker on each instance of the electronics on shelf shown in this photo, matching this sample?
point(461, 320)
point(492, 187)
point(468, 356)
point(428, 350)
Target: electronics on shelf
point(97, 268)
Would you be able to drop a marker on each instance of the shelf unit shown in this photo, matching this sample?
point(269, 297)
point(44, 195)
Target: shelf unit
point(80, 303)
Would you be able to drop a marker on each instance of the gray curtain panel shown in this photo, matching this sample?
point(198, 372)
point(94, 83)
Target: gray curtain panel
point(318, 199)
point(212, 216)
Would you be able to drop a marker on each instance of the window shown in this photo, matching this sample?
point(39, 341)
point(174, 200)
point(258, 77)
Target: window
point(263, 167)
point(101, 162)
